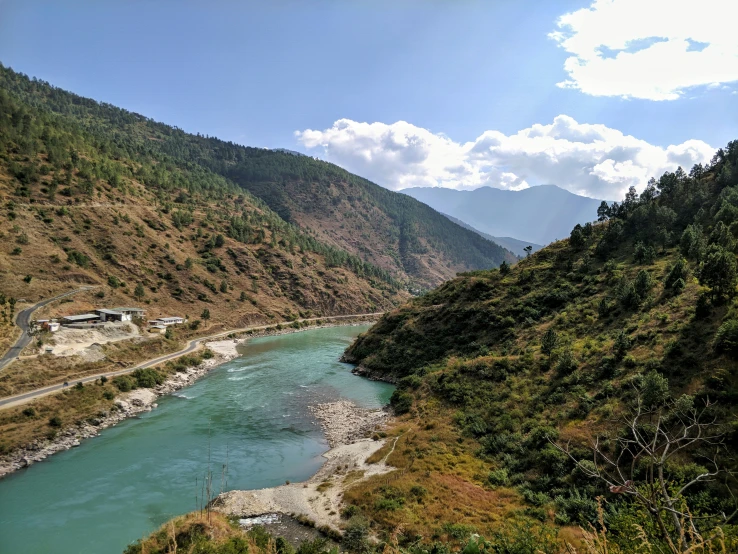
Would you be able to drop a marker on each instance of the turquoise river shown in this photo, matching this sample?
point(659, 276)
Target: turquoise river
point(121, 485)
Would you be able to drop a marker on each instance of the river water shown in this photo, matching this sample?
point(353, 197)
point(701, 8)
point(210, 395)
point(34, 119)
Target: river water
point(252, 411)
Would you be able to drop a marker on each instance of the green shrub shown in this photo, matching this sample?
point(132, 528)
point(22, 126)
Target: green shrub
point(401, 402)
point(566, 363)
point(356, 536)
point(498, 477)
point(281, 545)
point(147, 378)
point(418, 492)
point(315, 546)
point(78, 258)
point(124, 383)
point(726, 338)
point(387, 504)
point(410, 382)
point(55, 421)
point(349, 511)
point(458, 531)
point(575, 508)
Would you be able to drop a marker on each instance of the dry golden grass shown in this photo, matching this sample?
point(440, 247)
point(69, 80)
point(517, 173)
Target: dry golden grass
point(8, 335)
point(431, 454)
point(177, 534)
point(112, 230)
point(24, 424)
point(31, 373)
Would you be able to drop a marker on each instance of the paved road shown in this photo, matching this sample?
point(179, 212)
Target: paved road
point(19, 399)
point(22, 321)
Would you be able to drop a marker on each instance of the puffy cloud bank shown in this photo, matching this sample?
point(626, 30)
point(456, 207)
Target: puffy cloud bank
point(593, 160)
point(651, 49)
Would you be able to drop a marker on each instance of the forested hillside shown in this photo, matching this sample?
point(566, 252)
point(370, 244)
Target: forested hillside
point(81, 206)
point(603, 366)
point(515, 246)
point(396, 233)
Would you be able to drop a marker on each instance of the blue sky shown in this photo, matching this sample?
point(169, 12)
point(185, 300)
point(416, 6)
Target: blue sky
point(338, 79)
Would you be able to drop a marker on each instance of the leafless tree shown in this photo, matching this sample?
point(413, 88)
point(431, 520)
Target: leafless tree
point(636, 465)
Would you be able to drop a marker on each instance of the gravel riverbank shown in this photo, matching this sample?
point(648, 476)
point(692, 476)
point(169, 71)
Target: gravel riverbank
point(319, 498)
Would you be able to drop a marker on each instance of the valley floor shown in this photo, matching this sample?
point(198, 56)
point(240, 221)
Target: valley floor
point(23, 454)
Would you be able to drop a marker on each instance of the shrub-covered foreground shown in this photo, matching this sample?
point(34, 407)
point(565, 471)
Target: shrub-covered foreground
point(199, 533)
point(573, 375)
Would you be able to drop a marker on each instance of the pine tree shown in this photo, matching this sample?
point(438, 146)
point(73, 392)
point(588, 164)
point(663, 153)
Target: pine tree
point(549, 342)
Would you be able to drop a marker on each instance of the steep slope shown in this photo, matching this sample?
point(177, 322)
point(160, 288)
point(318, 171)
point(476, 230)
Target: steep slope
point(515, 246)
point(387, 229)
point(77, 209)
point(537, 214)
point(627, 325)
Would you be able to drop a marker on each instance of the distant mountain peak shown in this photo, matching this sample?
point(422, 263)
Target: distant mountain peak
point(537, 215)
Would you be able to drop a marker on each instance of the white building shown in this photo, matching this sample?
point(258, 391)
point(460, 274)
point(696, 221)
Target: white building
point(169, 320)
point(133, 312)
point(113, 315)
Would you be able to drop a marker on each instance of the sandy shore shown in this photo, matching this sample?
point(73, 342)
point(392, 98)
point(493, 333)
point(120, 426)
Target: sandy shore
point(320, 497)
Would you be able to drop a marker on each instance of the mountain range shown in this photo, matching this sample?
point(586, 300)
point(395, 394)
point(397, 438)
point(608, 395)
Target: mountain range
point(515, 246)
point(538, 215)
point(393, 232)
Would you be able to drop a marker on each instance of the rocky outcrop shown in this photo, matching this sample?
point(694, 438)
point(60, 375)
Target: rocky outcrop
point(344, 422)
point(372, 375)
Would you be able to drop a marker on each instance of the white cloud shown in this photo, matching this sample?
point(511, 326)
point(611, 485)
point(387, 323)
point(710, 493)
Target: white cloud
point(651, 49)
point(593, 160)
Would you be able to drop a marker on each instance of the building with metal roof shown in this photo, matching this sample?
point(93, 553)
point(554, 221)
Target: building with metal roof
point(113, 315)
point(81, 318)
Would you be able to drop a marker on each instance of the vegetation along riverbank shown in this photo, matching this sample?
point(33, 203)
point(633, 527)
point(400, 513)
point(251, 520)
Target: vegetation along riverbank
point(59, 422)
point(582, 400)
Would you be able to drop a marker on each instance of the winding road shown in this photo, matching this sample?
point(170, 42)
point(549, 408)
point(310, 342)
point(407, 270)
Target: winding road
point(23, 320)
point(17, 400)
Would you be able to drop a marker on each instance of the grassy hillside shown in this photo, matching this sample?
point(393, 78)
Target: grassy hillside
point(143, 229)
point(507, 378)
point(389, 230)
point(77, 209)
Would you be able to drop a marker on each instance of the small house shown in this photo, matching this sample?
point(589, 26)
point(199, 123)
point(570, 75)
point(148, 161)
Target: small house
point(113, 315)
point(50, 326)
point(81, 318)
point(157, 329)
point(132, 312)
point(170, 320)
